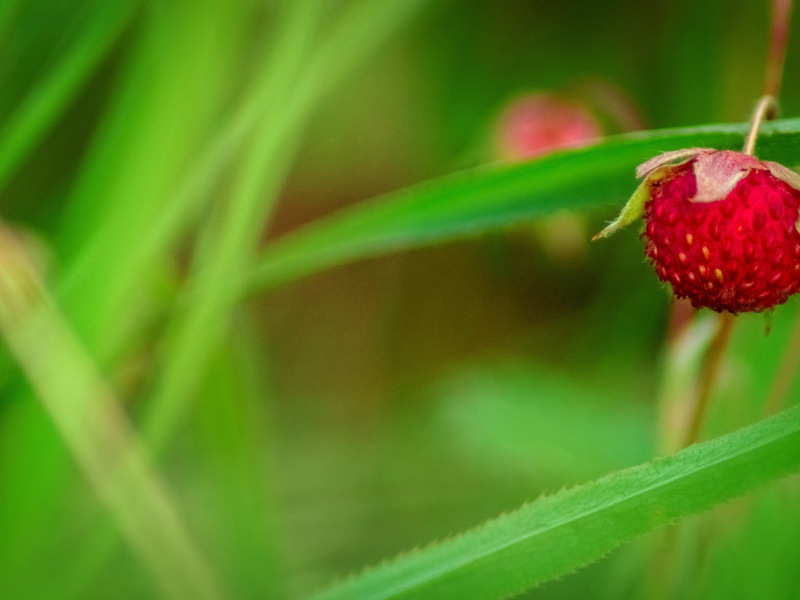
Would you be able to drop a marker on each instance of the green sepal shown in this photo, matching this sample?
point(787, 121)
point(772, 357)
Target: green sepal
point(632, 210)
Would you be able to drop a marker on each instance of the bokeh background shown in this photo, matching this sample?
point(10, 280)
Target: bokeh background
point(379, 406)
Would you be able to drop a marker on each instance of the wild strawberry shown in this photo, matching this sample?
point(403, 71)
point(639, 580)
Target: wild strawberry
point(540, 123)
point(537, 124)
point(721, 227)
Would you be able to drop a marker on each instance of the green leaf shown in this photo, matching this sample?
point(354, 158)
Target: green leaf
point(497, 196)
point(556, 535)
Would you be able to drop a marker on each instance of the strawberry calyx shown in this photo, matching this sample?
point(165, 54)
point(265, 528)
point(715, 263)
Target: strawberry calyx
point(717, 173)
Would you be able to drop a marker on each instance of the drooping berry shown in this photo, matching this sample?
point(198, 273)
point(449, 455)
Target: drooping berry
point(537, 124)
point(540, 123)
point(720, 228)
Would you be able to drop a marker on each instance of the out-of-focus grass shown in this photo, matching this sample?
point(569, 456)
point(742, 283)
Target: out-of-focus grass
point(94, 427)
point(46, 101)
point(147, 148)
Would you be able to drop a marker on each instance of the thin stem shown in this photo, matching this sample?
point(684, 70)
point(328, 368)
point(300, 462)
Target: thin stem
point(680, 317)
point(767, 106)
point(708, 376)
point(766, 109)
point(658, 585)
point(781, 11)
point(687, 340)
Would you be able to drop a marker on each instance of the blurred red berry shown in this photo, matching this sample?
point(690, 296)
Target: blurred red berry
point(541, 123)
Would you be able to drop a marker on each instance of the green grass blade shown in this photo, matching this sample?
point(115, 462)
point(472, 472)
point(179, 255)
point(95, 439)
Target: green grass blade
point(364, 27)
point(556, 535)
point(96, 429)
point(136, 161)
point(233, 442)
point(361, 29)
point(232, 234)
point(51, 97)
point(149, 135)
point(494, 197)
point(219, 268)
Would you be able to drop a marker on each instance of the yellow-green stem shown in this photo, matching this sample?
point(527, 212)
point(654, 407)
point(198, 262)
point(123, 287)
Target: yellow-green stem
point(708, 376)
point(766, 110)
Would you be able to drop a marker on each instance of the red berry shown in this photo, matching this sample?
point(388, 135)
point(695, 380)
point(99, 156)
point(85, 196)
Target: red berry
point(738, 253)
point(540, 123)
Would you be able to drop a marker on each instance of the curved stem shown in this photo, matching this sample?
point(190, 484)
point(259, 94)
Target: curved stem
point(708, 376)
point(781, 11)
point(766, 110)
point(767, 106)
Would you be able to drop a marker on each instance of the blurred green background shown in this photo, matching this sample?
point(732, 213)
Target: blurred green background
point(378, 406)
